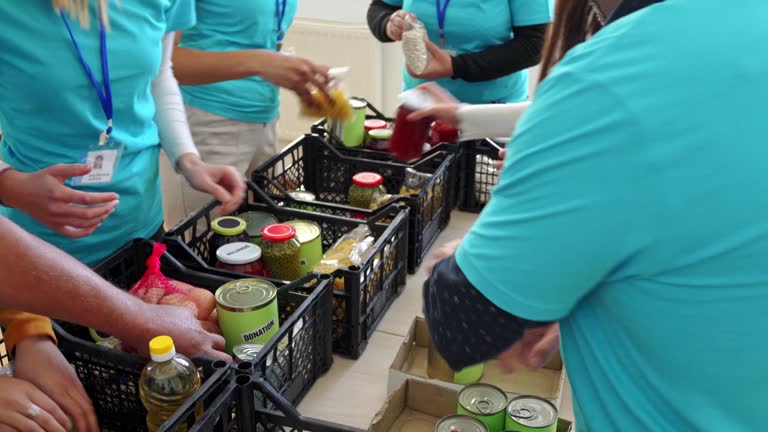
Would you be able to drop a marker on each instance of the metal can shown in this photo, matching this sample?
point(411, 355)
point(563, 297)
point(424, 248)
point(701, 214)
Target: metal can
point(351, 132)
point(484, 402)
point(300, 195)
point(460, 423)
point(247, 310)
point(531, 414)
point(311, 241)
point(255, 221)
point(469, 375)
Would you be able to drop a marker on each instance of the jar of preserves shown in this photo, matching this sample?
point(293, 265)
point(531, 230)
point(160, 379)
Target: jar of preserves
point(241, 257)
point(367, 190)
point(281, 252)
point(255, 221)
point(410, 136)
point(373, 124)
point(226, 230)
point(378, 139)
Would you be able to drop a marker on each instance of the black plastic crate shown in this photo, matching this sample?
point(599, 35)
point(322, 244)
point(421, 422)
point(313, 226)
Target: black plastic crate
point(361, 293)
point(4, 358)
point(111, 377)
point(479, 177)
point(318, 167)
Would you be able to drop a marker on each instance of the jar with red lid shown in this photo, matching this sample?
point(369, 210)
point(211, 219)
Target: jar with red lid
point(241, 257)
point(281, 252)
point(367, 190)
point(409, 137)
point(443, 132)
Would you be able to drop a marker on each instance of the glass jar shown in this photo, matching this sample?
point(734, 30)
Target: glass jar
point(226, 230)
point(241, 258)
point(255, 221)
point(281, 252)
point(442, 132)
point(409, 137)
point(373, 124)
point(378, 139)
point(367, 190)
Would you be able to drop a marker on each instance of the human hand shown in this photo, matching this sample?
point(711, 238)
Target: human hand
point(440, 65)
point(397, 24)
point(39, 362)
point(24, 408)
point(534, 350)
point(295, 73)
point(222, 182)
point(499, 163)
point(442, 253)
point(43, 195)
point(179, 323)
point(446, 107)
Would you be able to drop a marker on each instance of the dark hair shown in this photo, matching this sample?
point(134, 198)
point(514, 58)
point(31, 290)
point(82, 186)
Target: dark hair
point(575, 21)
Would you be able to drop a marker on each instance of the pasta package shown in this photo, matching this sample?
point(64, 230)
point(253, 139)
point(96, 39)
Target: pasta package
point(335, 105)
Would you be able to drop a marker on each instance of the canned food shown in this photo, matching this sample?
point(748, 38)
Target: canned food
point(255, 221)
point(311, 251)
point(484, 402)
point(247, 352)
point(469, 375)
point(531, 414)
point(300, 195)
point(247, 310)
point(460, 423)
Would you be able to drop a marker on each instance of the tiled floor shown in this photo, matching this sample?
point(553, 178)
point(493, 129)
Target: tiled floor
point(353, 391)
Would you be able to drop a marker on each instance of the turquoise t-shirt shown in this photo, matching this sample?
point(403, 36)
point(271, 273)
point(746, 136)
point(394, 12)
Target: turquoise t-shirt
point(226, 25)
point(50, 113)
point(633, 209)
point(472, 26)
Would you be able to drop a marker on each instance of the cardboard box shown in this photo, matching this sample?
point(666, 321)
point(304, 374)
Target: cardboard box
point(417, 406)
point(413, 361)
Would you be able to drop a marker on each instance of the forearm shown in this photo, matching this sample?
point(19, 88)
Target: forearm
point(378, 17)
point(492, 120)
point(519, 53)
point(41, 279)
point(465, 327)
point(18, 326)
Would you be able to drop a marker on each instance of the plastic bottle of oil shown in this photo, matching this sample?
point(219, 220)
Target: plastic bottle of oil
point(166, 382)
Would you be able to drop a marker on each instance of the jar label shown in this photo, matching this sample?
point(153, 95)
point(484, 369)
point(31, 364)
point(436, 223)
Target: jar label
point(259, 332)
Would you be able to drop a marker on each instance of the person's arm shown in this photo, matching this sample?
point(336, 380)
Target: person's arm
point(18, 325)
point(519, 53)
point(379, 13)
point(41, 279)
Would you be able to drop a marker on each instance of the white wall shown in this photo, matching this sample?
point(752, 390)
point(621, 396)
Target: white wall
point(346, 11)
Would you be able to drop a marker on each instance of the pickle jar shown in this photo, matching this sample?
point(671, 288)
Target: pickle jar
point(241, 257)
point(226, 230)
point(281, 252)
point(367, 190)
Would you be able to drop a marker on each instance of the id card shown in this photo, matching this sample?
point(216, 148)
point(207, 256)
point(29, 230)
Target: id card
point(105, 160)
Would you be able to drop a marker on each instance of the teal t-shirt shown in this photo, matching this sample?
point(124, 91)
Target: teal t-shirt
point(633, 209)
point(472, 26)
point(226, 25)
point(50, 113)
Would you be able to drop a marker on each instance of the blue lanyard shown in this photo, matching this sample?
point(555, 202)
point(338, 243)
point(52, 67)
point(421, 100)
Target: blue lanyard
point(441, 11)
point(280, 7)
point(104, 93)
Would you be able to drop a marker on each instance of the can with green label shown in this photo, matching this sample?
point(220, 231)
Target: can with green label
point(301, 195)
point(309, 236)
point(469, 375)
point(486, 403)
point(531, 414)
point(247, 310)
point(460, 423)
point(255, 221)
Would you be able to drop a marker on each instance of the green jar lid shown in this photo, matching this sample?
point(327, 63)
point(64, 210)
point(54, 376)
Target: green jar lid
point(245, 295)
point(255, 221)
point(483, 399)
point(306, 231)
point(460, 423)
point(532, 412)
point(381, 134)
point(228, 226)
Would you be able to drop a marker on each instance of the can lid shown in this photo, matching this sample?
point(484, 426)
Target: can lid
point(532, 411)
point(248, 351)
point(302, 195)
point(460, 423)
point(368, 179)
point(381, 134)
point(373, 124)
point(483, 399)
point(238, 253)
point(278, 233)
point(357, 103)
point(245, 295)
point(228, 225)
point(306, 231)
point(256, 220)
point(416, 99)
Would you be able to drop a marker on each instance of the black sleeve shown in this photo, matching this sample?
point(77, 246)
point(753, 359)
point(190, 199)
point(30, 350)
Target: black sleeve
point(378, 17)
point(521, 52)
point(466, 327)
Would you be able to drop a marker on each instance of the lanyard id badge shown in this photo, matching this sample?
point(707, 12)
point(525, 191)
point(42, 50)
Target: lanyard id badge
point(104, 156)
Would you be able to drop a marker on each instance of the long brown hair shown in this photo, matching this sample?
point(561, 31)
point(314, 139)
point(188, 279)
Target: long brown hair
point(575, 21)
point(79, 10)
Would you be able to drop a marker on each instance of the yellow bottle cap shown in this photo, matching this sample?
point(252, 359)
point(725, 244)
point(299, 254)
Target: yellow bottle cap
point(161, 345)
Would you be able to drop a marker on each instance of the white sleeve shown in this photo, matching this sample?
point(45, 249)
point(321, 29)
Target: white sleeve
point(171, 119)
point(490, 121)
